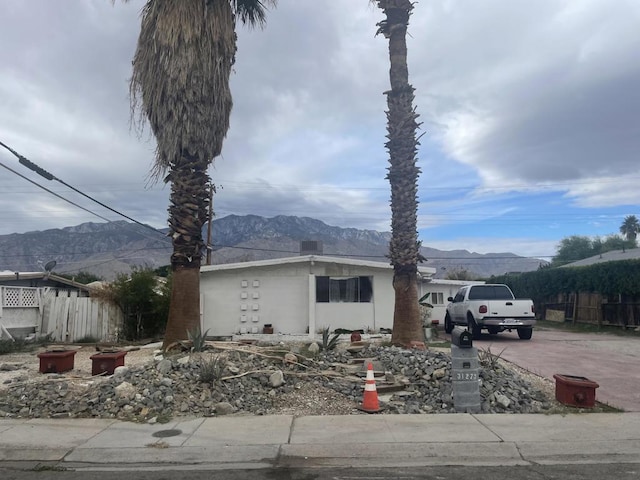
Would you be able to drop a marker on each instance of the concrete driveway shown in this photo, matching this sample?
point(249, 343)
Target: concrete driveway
point(611, 361)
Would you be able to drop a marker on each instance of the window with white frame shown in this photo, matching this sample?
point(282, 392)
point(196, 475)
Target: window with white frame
point(344, 289)
point(436, 298)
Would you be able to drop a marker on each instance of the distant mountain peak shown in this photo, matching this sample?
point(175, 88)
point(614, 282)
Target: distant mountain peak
point(106, 249)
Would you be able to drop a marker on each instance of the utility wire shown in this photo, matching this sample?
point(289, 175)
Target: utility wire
point(43, 173)
point(52, 193)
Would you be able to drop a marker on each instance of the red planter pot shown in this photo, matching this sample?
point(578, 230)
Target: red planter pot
point(575, 391)
point(56, 362)
point(104, 362)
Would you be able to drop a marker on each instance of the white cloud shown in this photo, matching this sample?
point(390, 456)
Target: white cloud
point(515, 96)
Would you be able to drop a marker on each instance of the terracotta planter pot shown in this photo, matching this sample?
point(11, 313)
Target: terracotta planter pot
point(106, 362)
point(575, 391)
point(56, 362)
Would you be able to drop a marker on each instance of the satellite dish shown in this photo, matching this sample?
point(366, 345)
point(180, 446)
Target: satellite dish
point(50, 266)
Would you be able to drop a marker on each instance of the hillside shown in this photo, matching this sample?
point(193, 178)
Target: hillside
point(110, 248)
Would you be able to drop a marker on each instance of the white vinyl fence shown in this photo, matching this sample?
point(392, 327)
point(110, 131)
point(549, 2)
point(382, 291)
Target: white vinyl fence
point(60, 313)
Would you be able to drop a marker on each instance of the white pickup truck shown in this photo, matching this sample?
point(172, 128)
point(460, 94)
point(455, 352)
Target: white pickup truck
point(492, 307)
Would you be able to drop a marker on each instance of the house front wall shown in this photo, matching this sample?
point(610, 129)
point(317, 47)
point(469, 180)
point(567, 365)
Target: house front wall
point(284, 296)
point(439, 294)
point(245, 300)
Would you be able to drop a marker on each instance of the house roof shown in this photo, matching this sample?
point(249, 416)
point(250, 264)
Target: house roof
point(612, 256)
point(427, 271)
point(461, 283)
point(8, 276)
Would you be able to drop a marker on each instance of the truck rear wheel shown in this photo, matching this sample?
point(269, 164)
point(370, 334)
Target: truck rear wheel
point(474, 328)
point(525, 333)
point(448, 325)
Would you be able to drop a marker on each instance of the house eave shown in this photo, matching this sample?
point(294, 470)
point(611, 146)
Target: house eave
point(427, 271)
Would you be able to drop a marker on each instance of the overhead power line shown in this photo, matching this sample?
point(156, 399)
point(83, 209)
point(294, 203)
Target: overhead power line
point(52, 193)
point(43, 173)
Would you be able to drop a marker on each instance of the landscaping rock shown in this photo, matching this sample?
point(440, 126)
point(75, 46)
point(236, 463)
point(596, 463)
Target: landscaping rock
point(276, 378)
point(252, 383)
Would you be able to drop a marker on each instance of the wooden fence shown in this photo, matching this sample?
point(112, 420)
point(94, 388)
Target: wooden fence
point(593, 308)
point(69, 318)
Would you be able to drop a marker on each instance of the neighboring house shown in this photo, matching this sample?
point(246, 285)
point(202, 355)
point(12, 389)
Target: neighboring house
point(439, 290)
point(611, 256)
point(42, 279)
point(298, 295)
point(47, 304)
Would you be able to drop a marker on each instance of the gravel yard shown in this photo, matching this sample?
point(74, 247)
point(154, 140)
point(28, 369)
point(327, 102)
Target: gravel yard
point(259, 379)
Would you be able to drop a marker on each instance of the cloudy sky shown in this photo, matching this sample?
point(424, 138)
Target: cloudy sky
point(530, 111)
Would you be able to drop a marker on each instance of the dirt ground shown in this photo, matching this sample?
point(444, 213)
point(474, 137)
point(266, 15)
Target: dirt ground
point(27, 364)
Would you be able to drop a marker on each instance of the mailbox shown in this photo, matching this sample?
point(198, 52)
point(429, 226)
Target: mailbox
point(461, 337)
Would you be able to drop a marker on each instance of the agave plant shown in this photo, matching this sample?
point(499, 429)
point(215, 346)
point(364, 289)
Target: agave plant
point(329, 343)
point(198, 339)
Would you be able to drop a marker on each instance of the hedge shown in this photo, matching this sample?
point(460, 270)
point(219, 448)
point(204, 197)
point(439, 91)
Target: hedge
point(609, 278)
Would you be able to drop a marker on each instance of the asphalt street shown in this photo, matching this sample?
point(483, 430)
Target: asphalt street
point(534, 472)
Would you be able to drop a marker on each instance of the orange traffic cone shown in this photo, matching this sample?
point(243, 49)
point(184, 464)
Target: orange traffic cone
point(370, 402)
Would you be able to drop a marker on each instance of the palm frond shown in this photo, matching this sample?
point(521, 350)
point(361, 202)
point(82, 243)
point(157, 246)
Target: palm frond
point(180, 81)
point(253, 13)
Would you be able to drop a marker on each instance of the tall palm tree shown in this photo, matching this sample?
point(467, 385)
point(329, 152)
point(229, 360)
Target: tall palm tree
point(630, 228)
point(402, 144)
point(180, 84)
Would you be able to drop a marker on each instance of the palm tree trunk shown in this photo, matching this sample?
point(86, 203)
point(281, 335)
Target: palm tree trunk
point(404, 248)
point(187, 214)
point(180, 83)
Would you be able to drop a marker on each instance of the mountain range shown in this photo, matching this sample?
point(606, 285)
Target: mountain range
point(106, 249)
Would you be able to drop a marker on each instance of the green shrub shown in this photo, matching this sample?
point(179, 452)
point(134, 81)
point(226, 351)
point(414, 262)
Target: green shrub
point(21, 345)
point(8, 346)
point(144, 300)
point(87, 339)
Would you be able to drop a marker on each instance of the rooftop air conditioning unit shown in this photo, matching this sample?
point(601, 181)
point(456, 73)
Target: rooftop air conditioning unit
point(310, 247)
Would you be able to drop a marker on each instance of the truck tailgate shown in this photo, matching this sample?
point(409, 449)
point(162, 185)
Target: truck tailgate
point(510, 308)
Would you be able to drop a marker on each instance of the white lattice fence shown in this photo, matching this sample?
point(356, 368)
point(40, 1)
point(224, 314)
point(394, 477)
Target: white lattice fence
point(20, 308)
point(20, 297)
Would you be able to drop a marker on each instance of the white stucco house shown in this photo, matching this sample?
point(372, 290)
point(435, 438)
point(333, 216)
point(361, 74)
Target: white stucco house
point(440, 290)
point(303, 294)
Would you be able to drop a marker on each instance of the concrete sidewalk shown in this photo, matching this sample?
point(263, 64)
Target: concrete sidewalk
point(341, 441)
